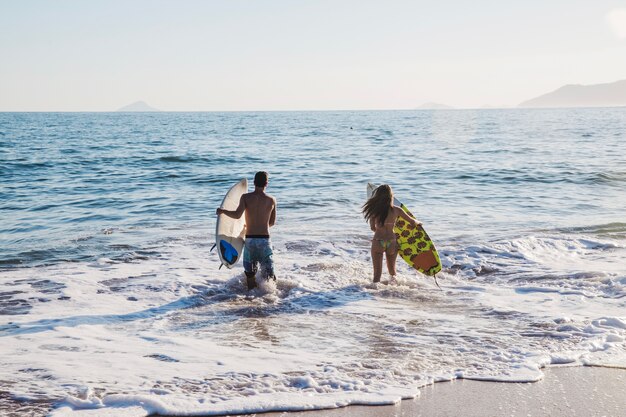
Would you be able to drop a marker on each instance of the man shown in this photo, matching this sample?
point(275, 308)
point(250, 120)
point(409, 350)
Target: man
point(260, 210)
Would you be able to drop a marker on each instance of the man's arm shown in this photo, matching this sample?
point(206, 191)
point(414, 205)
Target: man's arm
point(235, 214)
point(273, 215)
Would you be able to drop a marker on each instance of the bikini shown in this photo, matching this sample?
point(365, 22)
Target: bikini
point(386, 244)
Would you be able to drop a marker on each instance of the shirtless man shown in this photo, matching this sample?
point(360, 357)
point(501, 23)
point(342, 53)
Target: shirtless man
point(260, 210)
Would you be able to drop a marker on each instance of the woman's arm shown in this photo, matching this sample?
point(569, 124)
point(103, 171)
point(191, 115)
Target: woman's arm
point(402, 213)
point(372, 224)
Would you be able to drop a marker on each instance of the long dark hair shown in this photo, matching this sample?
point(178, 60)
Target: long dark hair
point(378, 206)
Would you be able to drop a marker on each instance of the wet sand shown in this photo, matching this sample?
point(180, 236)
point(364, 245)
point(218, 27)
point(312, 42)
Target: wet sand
point(564, 392)
point(10, 407)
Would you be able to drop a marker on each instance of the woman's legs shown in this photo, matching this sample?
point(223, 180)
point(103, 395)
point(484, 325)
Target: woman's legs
point(391, 255)
point(377, 260)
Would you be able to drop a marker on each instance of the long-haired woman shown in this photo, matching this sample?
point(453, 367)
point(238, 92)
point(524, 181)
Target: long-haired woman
point(381, 214)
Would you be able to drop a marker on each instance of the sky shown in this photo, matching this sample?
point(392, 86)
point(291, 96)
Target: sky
point(232, 55)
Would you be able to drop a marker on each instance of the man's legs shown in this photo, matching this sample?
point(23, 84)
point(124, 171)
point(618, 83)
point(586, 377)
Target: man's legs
point(261, 253)
point(250, 280)
point(267, 263)
point(250, 264)
point(258, 250)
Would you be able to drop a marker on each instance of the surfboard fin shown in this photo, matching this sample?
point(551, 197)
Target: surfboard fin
point(435, 277)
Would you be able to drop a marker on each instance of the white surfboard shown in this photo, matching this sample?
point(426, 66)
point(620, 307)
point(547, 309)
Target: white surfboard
point(229, 232)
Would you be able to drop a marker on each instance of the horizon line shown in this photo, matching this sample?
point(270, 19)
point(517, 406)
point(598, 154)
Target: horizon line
point(313, 110)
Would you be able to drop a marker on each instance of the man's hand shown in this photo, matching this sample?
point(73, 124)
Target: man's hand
point(219, 211)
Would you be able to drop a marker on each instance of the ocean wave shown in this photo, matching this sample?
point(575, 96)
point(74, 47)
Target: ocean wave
point(616, 177)
point(16, 166)
point(189, 159)
point(615, 230)
point(513, 176)
point(84, 248)
point(181, 159)
point(564, 264)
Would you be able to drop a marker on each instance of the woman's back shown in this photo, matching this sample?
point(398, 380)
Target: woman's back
point(385, 230)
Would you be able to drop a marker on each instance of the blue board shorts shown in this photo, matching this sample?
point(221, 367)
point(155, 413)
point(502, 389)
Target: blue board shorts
point(258, 251)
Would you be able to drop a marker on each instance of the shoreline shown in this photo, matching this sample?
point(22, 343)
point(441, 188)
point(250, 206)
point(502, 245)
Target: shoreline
point(565, 391)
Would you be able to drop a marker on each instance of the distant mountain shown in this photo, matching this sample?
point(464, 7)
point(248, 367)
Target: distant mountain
point(138, 106)
point(574, 95)
point(433, 106)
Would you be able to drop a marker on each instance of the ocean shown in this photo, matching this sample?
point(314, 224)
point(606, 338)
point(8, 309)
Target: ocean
point(111, 300)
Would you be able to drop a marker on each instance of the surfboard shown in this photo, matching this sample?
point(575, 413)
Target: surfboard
point(415, 246)
point(229, 232)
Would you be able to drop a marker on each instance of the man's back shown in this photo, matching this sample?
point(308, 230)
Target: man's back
point(260, 210)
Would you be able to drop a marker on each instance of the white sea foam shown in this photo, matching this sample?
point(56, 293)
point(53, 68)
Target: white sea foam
point(175, 335)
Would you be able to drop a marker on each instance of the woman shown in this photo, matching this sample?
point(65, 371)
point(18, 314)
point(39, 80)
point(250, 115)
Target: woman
point(382, 215)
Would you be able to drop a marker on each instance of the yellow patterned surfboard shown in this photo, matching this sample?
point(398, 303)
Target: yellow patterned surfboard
point(415, 246)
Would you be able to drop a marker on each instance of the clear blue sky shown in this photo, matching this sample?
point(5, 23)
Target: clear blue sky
point(77, 55)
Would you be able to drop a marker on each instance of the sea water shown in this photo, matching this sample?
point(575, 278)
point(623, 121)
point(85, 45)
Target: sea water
point(112, 302)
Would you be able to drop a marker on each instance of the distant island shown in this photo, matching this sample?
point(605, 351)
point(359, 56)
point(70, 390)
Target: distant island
point(138, 106)
point(575, 95)
point(433, 106)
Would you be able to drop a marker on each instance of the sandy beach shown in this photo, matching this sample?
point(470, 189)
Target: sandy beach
point(564, 392)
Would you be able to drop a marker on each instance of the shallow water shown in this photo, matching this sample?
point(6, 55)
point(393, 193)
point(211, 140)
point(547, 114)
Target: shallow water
point(109, 296)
